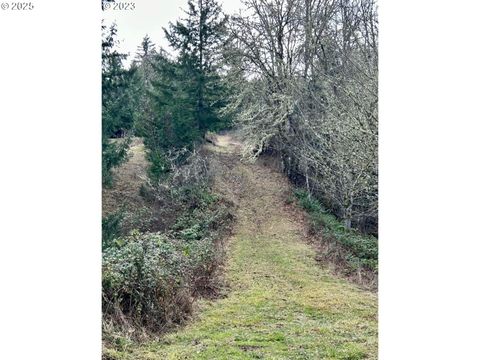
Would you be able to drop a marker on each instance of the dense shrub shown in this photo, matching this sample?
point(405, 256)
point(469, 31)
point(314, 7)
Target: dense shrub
point(359, 250)
point(114, 153)
point(122, 221)
point(150, 279)
point(145, 280)
point(159, 165)
point(111, 228)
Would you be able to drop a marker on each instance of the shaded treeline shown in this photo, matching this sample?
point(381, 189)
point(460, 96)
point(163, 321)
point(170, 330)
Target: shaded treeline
point(169, 101)
point(307, 90)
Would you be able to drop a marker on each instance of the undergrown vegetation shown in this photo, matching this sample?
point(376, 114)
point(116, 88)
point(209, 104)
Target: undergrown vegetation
point(151, 279)
point(161, 245)
point(352, 253)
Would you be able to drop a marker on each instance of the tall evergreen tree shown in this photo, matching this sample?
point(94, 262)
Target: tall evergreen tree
point(185, 94)
point(199, 38)
point(173, 124)
point(117, 111)
point(144, 73)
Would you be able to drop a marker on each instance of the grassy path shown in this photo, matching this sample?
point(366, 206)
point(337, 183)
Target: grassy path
point(281, 304)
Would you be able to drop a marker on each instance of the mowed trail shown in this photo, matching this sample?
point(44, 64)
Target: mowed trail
point(280, 304)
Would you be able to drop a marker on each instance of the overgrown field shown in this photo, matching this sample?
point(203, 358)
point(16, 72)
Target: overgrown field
point(280, 303)
point(154, 269)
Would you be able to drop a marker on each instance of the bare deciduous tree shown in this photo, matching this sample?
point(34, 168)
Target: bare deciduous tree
point(308, 80)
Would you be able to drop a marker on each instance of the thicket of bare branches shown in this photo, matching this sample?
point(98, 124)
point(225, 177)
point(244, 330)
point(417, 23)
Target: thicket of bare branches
point(307, 73)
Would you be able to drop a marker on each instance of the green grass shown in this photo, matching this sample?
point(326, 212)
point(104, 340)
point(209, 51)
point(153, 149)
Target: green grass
point(280, 303)
point(281, 306)
point(362, 249)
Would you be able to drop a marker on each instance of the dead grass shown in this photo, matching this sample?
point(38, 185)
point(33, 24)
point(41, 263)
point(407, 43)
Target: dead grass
point(128, 179)
point(146, 213)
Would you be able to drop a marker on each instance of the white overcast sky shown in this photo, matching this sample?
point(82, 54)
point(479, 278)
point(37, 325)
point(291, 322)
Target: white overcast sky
point(149, 17)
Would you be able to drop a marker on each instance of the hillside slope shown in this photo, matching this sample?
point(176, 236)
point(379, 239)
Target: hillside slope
point(280, 303)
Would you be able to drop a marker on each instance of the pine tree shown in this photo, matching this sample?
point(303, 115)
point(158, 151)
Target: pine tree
point(199, 38)
point(144, 73)
point(117, 111)
point(172, 126)
point(186, 93)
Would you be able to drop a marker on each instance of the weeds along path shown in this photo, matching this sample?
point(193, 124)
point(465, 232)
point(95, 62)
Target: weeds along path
point(280, 303)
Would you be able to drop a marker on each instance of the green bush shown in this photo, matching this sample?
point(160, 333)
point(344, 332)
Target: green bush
point(150, 279)
point(205, 213)
point(124, 220)
point(196, 196)
point(146, 280)
point(159, 165)
point(111, 228)
point(113, 155)
point(362, 250)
